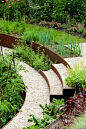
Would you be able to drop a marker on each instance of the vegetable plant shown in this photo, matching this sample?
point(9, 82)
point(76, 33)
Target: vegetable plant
point(49, 114)
point(11, 88)
point(36, 60)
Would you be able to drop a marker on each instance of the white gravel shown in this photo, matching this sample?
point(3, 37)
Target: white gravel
point(37, 93)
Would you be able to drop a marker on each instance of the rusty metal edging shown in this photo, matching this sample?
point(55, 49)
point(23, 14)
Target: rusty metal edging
point(8, 41)
point(58, 74)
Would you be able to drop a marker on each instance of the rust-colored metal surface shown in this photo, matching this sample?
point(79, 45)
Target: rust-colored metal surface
point(58, 74)
point(52, 55)
point(45, 77)
point(7, 40)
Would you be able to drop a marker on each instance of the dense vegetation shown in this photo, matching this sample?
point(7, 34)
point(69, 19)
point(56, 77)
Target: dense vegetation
point(73, 107)
point(57, 10)
point(11, 88)
point(37, 59)
point(57, 14)
point(53, 39)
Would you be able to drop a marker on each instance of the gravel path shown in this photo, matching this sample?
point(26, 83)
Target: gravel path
point(74, 60)
point(37, 93)
point(54, 82)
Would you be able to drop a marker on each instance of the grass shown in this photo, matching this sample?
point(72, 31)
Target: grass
point(12, 27)
point(80, 122)
point(57, 35)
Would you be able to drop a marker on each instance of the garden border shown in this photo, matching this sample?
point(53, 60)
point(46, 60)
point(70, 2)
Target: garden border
point(8, 41)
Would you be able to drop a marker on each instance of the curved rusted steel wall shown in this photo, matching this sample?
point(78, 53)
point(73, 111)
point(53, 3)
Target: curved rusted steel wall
point(52, 55)
point(8, 41)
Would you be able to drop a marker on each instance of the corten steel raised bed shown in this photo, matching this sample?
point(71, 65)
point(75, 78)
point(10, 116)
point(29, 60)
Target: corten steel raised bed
point(9, 41)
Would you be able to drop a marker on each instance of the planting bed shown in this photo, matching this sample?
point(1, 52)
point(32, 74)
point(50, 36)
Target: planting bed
point(12, 88)
point(74, 107)
point(61, 60)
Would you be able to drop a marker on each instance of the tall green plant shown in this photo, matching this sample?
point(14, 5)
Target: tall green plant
point(11, 85)
point(76, 48)
point(36, 60)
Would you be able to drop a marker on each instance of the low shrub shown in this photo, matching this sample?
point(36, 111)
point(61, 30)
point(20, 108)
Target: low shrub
point(84, 34)
point(77, 76)
point(14, 8)
point(80, 30)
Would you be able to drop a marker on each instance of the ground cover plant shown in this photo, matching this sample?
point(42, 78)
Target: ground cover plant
point(11, 88)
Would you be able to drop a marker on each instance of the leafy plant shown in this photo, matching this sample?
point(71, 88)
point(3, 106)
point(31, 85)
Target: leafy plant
point(49, 114)
point(14, 8)
point(11, 87)
point(84, 34)
point(74, 106)
point(76, 48)
point(80, 30)
point(32, 127)
point(36, 60)
point(76, 76)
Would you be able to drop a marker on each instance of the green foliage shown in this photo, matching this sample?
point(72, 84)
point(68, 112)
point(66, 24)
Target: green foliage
point(76, 48)
point(84, 34)
point(11, 85)
point(53, 108)
point(36, 60)
point(77, 76)
point(58, 10)
point(76, 9)
point(32, 127)
point(43, 37)
point(14, 8)
point(59, 13)
point(50, 10)
point(49, 114)
point(7, 28)
point(80, 30)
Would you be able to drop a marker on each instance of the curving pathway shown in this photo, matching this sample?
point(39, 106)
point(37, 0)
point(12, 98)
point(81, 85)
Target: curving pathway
point(37, 93)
